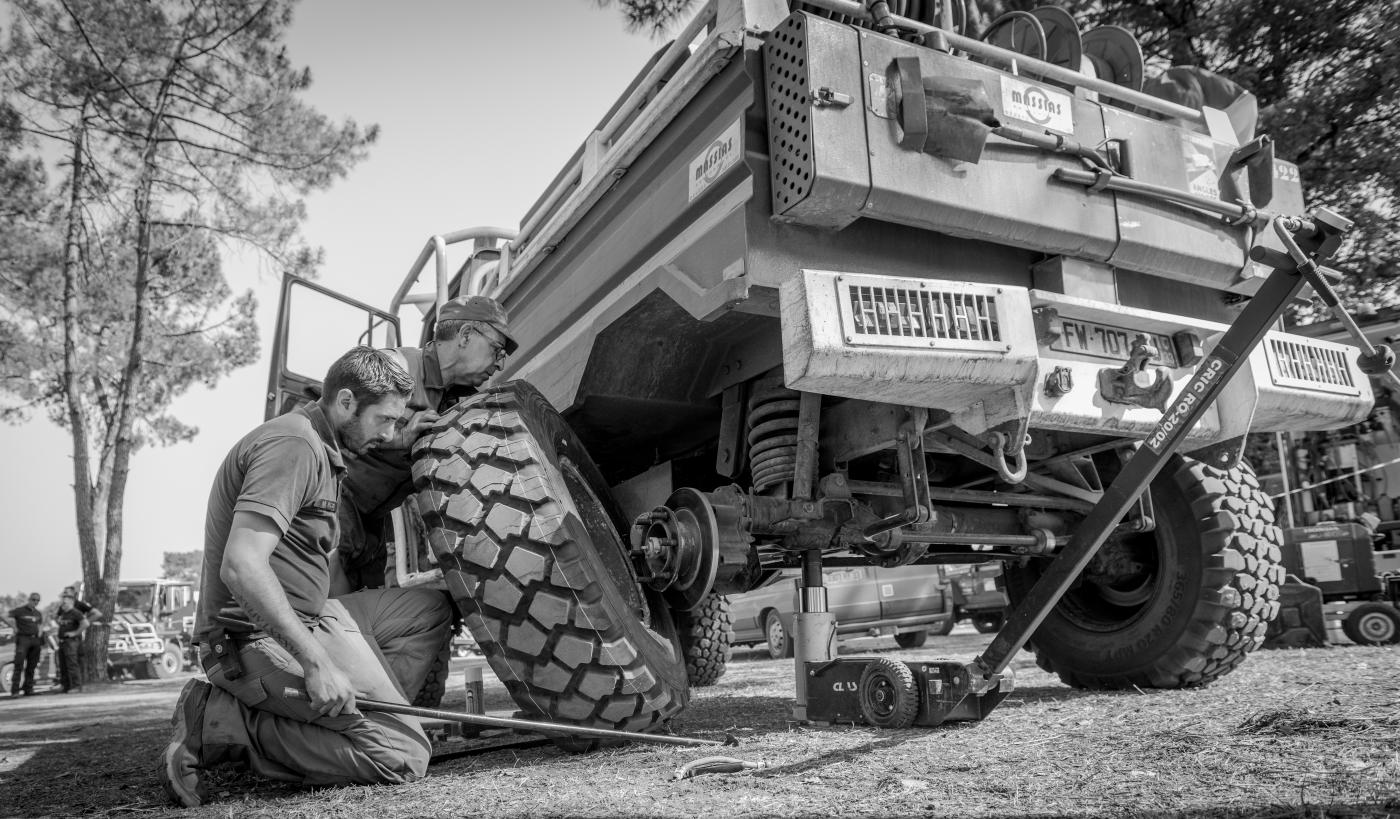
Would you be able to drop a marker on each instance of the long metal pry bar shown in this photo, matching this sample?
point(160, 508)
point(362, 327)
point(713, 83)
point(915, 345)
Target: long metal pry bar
point(1310, 241)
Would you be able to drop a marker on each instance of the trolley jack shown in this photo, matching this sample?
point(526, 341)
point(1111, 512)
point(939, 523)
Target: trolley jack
point(887, 693)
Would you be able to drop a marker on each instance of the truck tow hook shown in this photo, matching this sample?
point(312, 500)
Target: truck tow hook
point(1135, 383)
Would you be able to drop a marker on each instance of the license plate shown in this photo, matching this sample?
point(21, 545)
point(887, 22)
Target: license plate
point(1104, 341)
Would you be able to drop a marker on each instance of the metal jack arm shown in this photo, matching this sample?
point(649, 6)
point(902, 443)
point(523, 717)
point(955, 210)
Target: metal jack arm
point(1313, 240)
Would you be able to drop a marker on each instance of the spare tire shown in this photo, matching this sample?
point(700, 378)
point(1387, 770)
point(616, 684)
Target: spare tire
point(1177, 607)
point(529, 543)
point(707, 638)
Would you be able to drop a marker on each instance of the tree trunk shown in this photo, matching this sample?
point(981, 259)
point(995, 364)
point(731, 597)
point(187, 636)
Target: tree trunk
point(95, 654)
point(131, 381)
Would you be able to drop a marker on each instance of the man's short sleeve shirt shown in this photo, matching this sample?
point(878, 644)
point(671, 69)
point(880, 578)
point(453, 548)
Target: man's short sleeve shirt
point(287, 470)
point(29, 621)
point(68, 621)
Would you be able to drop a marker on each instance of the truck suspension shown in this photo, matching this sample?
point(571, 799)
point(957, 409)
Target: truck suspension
point(773, 431)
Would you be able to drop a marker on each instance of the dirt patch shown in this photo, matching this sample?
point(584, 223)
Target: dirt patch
point(1290, 734)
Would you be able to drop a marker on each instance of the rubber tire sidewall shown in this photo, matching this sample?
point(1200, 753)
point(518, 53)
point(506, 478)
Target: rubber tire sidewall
point(906, 695)
point(163, 668)
point(538, 595)
point(988, 623)
point(1351, 624)
point(911, 639)
point(784, 648)
point(1222, 590)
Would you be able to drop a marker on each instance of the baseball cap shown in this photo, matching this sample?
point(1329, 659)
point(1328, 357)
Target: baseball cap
point(479, 308)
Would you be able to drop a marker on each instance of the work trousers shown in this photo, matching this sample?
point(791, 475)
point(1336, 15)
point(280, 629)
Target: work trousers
point(27, 650)
point(70, 662)
point(385, 641)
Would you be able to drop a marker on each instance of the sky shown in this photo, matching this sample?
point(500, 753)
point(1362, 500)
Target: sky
point(479, 107)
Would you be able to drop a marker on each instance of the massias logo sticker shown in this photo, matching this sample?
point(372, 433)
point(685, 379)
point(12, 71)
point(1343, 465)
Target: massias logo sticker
point(719, 156)
point(1045, 107)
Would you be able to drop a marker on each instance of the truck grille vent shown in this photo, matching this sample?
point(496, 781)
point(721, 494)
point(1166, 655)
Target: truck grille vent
point(923, 318)
point(1310, 368)
point(789, 108)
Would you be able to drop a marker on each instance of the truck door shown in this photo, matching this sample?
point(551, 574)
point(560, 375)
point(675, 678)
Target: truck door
point(326, 324)
point(851, 596)
point(908, 591)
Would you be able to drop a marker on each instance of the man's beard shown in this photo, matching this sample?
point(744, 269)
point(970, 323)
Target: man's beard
point(352, 440)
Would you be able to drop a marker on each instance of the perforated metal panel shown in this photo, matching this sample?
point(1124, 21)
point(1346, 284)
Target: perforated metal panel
point(1309, 367)
point(804, 54)
point(789, 100)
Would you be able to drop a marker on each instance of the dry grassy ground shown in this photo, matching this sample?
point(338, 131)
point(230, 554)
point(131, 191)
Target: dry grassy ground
point(1293, 733)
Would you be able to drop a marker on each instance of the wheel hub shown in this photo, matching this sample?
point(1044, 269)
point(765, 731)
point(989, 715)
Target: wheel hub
point(691, 546)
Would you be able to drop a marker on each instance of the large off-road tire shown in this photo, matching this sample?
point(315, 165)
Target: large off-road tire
point(435, 681)
point(944, 628)
point(1372, 624)
point(1177, 607)
point(528, 541)
point(707, 638)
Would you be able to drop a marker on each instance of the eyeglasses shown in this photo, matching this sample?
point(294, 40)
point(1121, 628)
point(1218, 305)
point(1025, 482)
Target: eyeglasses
point(34, 599)
point(498, 348)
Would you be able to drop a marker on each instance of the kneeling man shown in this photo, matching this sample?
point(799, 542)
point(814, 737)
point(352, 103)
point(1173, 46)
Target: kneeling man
point(285, 658)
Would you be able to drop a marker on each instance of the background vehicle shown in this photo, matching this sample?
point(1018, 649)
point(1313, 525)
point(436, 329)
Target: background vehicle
point(1339, 559)
point(134, 648)
point(977, 595)
point(7, 665)
point(150, 633)
point(905, 603)
point(813, 288)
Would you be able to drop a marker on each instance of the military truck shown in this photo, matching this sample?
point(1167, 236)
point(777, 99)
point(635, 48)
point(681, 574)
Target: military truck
point(150, 633)
point(833, 285)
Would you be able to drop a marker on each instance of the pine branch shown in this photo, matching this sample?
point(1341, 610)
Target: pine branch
point(96, 55)
point(233, 33)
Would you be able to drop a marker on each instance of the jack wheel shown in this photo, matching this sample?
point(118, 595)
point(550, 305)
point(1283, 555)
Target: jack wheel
point(888, 696)
point(1372, 624)
point(779, 641)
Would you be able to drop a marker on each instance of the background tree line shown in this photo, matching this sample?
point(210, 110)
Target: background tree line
point(138, 138)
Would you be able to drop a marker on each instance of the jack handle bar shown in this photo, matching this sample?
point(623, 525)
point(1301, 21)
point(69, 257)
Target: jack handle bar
point(522, 724)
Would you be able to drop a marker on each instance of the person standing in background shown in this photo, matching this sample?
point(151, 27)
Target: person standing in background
point(72, 625)
point(29, 640)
